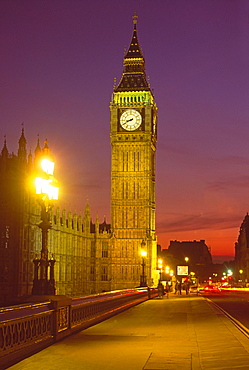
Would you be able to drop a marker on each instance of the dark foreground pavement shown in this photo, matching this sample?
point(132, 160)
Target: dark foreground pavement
point(182, 332)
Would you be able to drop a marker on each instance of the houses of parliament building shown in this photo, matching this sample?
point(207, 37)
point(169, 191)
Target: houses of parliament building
point(88, 257)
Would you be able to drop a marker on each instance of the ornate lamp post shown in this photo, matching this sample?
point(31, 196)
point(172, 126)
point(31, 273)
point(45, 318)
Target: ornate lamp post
point(46, 187)
point(241, 276)
point(229, 276)
point(143, 281)
point(187, 263)
point(160, 267)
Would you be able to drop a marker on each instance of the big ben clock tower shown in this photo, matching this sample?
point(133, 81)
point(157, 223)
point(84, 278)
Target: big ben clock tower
point(133, 139)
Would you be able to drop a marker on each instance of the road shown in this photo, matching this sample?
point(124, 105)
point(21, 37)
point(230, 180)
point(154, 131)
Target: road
point(234, 303)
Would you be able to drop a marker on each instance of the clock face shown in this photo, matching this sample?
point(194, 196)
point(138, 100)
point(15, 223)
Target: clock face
point(131, 119)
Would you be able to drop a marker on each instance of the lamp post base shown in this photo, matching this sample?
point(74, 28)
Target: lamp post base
point(143, 281)
point(43, 287)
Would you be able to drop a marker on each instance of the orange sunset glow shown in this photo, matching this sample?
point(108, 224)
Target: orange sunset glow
point(57, 72)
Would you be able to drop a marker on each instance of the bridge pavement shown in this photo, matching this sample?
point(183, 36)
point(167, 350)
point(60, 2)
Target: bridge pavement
point(182, 332)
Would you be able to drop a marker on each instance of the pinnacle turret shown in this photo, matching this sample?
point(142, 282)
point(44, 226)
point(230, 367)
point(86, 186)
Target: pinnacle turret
point(4, 151)
point(38, 148)
point(22, 151)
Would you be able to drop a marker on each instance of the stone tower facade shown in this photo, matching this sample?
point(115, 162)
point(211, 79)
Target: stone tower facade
point(242, 252)
point(133, 139)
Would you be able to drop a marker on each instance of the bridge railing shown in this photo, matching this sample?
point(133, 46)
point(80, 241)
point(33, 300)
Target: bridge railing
point(28, 328)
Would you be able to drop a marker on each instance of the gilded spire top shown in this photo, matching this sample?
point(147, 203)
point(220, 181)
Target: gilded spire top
point(135, 17)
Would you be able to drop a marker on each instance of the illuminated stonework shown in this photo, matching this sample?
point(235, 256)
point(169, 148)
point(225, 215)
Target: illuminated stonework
point(133, 174)
point(135, 98)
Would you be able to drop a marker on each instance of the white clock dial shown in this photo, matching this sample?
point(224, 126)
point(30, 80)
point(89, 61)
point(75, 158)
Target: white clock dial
point(131, 119)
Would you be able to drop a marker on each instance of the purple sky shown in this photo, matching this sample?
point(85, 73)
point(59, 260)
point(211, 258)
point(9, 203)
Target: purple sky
point(58, 62)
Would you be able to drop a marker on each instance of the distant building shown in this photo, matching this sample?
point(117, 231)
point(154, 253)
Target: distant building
point(198, 256)
point(242, 252)
point(197, 252)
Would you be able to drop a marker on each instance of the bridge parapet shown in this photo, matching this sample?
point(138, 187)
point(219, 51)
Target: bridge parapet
point(28, 328)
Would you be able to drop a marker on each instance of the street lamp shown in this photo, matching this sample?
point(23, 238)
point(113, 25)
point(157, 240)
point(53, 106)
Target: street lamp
point(143, 282)
point(187, 260)
point(46, 187)
point(229, 275)
point(160, 266)
point(169, 273)
point(241, 279)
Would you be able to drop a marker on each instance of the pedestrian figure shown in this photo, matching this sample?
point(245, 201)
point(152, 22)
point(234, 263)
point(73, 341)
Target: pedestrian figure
point(176, 287)
point(167, 290)
point(179, 288)
point(186, 287)
point(160, 290)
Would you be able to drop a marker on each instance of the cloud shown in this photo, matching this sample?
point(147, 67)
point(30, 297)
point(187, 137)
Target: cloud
point(240, 182)
point(178, 149)
point(199, 222)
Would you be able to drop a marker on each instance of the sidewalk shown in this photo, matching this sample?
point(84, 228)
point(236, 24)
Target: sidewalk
point(182, 332)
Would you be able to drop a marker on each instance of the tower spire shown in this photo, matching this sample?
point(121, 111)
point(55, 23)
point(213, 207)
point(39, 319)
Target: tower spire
point(134, 76)
point(134, 50)
point(37, 151)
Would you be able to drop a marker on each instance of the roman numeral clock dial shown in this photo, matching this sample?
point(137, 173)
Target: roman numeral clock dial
point(130, 120)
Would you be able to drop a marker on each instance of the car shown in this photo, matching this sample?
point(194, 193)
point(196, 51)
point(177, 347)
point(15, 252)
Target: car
point(210, 288)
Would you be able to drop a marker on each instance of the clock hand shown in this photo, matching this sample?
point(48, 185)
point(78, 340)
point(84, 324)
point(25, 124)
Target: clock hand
point(128, 120)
